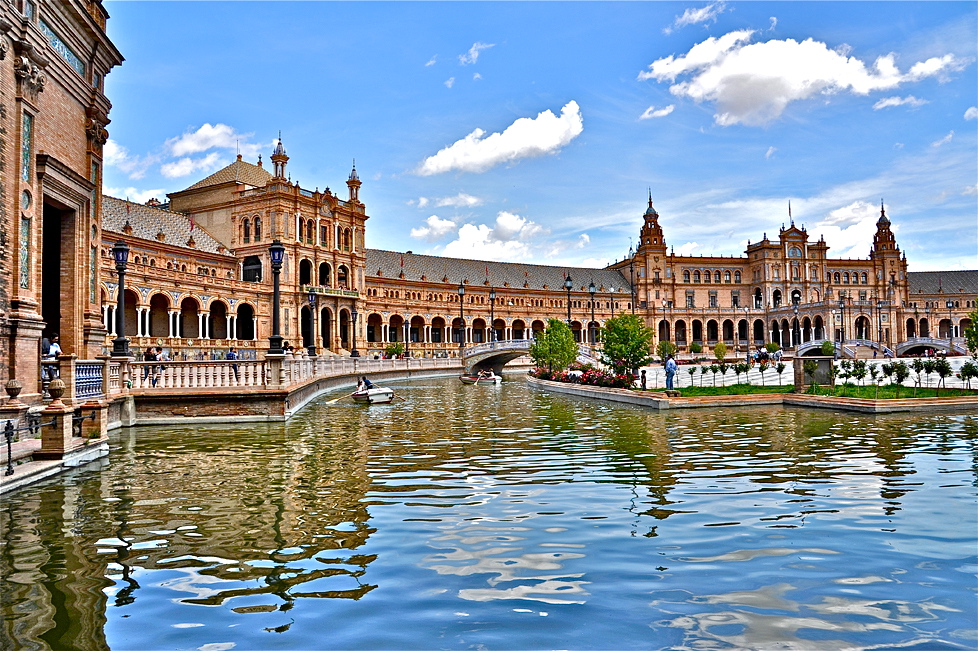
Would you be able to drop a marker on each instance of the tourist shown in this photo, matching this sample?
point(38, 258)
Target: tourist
point(233, 356)
point(161, 356)
point(50, 349)
point(643, 379)
point(671, 367)
point(149, 370)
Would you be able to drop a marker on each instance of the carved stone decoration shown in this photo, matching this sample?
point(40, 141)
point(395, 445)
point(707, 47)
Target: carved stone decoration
point(95, 121)
point(3, 49)
point(30, 76)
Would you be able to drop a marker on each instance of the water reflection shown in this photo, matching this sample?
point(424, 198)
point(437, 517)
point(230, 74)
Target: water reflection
point(450, 519)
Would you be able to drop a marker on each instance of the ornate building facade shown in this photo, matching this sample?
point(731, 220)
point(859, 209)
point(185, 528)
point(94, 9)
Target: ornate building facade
point(200, 282)
point(54, 57)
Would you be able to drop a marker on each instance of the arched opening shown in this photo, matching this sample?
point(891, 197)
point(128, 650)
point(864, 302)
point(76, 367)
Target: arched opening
point(776, 297)
point(537, 327)
point(416, 329)
point(375, 328)
point(758, 299)
point(911, 328)
point(680, 333)
point(743, 332)
point(758, 332)
point(257, 229)
point(795, 332)
point(728, 331)
point(458, 331)
point(189, 319)
point(519, 329)
point(246, 231)
point(325, 274)
point(306, 329)
point(806, 329)
point(159, 316)
point(305, 272)
point(479, 334)
point(345, 329)
point(342, 277)
point(664, 330)
point(795, 297)
point(132, 316)
point(218, 321)
point(498, 330)
point(819, 328)
point(712, 332)
point(346, 239)
point(945, 329)
point(862, 328)
point(395, 328)
point(924, 328)
point(775, 332)
point(326, 327)
point(245, 322)
point(697, 331)
point(437, 330)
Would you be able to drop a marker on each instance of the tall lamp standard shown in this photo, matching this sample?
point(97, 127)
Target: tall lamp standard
point(879, 322)
point(568, 284)
point(277, 253)
point(312, 319)
point(842, 312)
point(591, 289)
point(354, 352)
point(120, 345)
point(612, 302)
point(950, 324)
point(631, 275)
point(461, 318)
point(492, 314)
point(795, 328)
point(407, 333)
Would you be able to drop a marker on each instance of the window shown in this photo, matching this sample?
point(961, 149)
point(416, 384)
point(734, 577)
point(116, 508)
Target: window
point(30, 9)
point(26, 146)
point(247, 231)
point(726, 277)
point(845, 278)
point(257, 229)
point(735, 299)
point(794, 252)
point(685, 275)
point(716, 276)
point(251, 269)
point(862, 294)
point(690, 300)
point(736, 276)
point(696, 276)
point(323, 235)
point(836, 277)
point(59, 46)
point(713, 300)
point(865, 280)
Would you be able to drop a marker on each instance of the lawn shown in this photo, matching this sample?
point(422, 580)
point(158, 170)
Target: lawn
point(884, 392)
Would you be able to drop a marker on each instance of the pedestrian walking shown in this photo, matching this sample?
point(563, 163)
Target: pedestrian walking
point(671, 367)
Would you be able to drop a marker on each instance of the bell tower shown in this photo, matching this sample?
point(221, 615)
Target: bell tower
point(354, 184)
point(651, 239)
point(279, 159)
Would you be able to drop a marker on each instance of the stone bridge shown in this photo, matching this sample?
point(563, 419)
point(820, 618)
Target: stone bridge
point(847, 348)
point(918, 344)
point(496, 354)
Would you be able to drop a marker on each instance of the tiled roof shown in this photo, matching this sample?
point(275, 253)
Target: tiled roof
point(148, 221)
point(435, 269)
point(947, 282)
point(239, 171)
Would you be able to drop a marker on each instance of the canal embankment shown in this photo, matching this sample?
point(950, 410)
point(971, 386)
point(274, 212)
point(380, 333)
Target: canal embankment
point(660, 401)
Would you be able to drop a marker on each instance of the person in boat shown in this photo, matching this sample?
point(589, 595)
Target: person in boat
point(364, 384)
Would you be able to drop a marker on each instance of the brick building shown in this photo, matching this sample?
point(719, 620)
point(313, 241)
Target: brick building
point(54, 57)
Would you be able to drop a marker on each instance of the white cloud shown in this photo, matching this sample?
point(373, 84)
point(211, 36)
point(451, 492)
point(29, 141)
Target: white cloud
point(689, 248)
point(431, 61)
point(651, 112)
point(753, 83)
point(971, 113)
point(525, 138)
point(510, 238)
point(449, 82)
point(186, 165)
point(774, 23)
point(770, 152)
point(434, 229)
point(460, 200)
point(849, 230)
point(888, 102)
point(473, 54)
point(476, 77)
point(970, 191)
point(583, 240)
point(943, 141)
point(695, 16)
point(115, 155)
point(217, 136)
point(133, 194)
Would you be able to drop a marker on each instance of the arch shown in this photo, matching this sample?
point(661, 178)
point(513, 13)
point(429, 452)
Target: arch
point(498, 332)
point(375, 325)
point(437, 330)
point(845, 278)
point(759, 332)
point(325, 274)
point(664, 330)
point(311, 232)
point(159, 315)
point(416, 329)
point(728, 331)
point(245, 322)
point(716, 276)
point(131, 316)
point(795, 297)
point(345, 328)
point(806, 329)
point(924, 328)
point(737, 277)
point(776, 298)
point(795, 338)
point(217, 320)
point(458, 331)
point(342, 276)
point(776, 332)
point(726, 276)
point(346, 239)
point(864, 279)
point(863, 330)
point(836, 277)
point(696, 276)
point(685, 275)
point(758, 298)
point(251, 269)
point(519, 329)
point(819, 328)
point(246, 230)
point(712, 331)
point(697, 331)
point(945, 328)
point(743, 331)
point(305, 272)
point(257, 223)
point(680, 332)
point(479, 334)
point(306, 330)
point(577, 328)
point(395, 328)
point(189, 321)
point(326, 327)
point(537, 327)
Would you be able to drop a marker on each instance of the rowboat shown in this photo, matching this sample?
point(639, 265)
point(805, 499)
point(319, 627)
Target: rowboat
point(374, 395)
point(485, 379)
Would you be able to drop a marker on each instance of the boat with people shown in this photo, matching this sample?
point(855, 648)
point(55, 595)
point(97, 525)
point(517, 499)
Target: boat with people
point(367, 392)
point(482, 377)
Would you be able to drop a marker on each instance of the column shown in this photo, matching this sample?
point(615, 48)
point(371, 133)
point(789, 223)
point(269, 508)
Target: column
point(383, 333)
point(171, 323)
point(254, 326)
point(201, 333)
point(233, 330)
point(230, 332)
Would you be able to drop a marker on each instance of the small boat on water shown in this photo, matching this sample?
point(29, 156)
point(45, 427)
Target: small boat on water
point(374, 395)
point(492, 378)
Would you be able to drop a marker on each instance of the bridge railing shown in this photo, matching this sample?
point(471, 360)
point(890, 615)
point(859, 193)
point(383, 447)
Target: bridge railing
point(505, 344)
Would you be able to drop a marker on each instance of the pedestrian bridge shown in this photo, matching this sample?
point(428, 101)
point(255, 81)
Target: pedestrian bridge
point(917, 345)
point(496, 354)
point(850, 348)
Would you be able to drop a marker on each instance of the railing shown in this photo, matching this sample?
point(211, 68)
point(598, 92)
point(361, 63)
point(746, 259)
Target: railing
point(507, 344)
point(330, 291)
point(197, 375)
point(88, 380)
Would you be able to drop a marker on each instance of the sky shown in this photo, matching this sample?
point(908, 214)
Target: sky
point(534, 132)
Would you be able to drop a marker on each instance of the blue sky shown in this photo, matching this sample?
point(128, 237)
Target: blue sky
point(534, 131)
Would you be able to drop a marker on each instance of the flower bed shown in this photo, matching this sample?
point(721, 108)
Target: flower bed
point(586, 375)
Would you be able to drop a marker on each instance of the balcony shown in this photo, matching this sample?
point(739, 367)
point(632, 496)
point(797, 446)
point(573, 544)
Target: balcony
point(329, 291)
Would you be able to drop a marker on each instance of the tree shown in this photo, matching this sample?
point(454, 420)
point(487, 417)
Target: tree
point(971, 334)
point(943, 369)
point(692, 371)
point(394, 349)
point(780, 369)
point(900, 373)
point(695, 348)
point(555, 349)
point(969, 371)
point(664, 349)
point(772, 347)
point(828, 348)
point(762, 367)
point(627, 344)
point(720, 351)
point(811, 367)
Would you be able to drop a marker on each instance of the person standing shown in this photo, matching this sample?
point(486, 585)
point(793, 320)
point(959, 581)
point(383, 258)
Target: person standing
point(233, 356)
point(161, 356)
point(644, 380)
point(50, 349)
point(671, 367)
point(149, 371)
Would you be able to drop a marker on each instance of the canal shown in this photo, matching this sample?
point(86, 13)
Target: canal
point(505, 517)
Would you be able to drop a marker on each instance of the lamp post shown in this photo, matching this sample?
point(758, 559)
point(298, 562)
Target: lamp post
point(950, 325)
point(461, 318)
point(354, 352)
point(120, 345)
point(842, 314)
point(612, 302)
point(492, 314)
point(795, 328)
point(407, 333)
point(568, 284)
point(277, 253)
point(590, 327)
point(879, 322)
point(631, 275)
point(312, 320)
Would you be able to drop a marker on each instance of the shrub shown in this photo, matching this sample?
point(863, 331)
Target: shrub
point(828, 348)
point(695, 348)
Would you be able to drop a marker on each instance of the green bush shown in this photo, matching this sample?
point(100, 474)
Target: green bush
point(695, 348)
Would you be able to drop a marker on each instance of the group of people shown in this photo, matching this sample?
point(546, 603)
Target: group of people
point(50, 349)
point(151, 371)
point(364, 384)
point(761, 355)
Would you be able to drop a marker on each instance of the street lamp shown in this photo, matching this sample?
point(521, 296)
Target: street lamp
point(461, 318)
point(312, 320)
point(879, 322)
point(354, 352)
point(795, 328)
point(842, 314)
point(950, 324)
point(591, 289)
point(568, 284)
point(120, 345)
point(277, 253)
point(612, 302)
point(407, 333)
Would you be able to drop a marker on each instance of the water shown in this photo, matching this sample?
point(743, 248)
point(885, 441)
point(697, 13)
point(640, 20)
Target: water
point(506, 518)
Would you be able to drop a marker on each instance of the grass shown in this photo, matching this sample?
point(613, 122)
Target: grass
point(732, 390)
point(886, 391)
